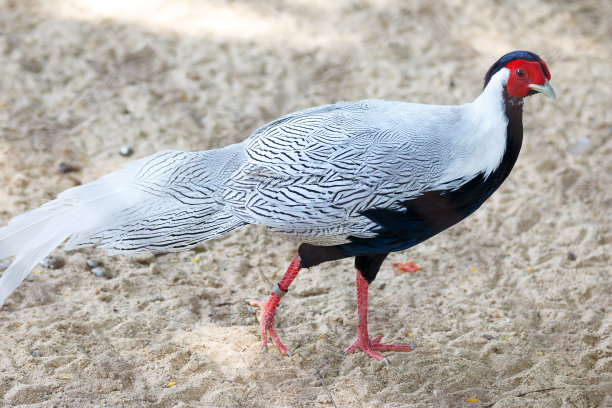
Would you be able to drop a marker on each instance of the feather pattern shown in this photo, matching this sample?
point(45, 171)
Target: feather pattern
point(166, 201)
point(180, 207)
point(313, 175)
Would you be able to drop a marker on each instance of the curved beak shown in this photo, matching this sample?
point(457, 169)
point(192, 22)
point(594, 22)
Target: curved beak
point(546, 89)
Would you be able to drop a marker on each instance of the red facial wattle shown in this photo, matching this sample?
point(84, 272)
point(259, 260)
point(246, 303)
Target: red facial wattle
point(524, 73)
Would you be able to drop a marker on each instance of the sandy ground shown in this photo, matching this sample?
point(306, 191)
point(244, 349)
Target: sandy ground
point(510, 308)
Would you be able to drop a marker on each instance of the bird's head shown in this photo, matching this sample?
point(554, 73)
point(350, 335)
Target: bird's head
point(528, 74)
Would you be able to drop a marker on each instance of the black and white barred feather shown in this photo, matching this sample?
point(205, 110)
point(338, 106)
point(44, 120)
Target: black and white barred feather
point(311, 175)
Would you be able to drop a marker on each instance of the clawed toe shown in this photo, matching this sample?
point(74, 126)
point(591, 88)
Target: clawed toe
point(371, 346)
point(266, 322)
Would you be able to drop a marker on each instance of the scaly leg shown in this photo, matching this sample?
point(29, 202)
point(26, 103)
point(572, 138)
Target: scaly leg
point(268, 307)
point(363, 341)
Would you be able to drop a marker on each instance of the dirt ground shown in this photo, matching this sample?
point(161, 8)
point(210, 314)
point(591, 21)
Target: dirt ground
point(511, 308)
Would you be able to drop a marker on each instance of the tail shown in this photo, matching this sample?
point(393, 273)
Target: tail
point(164, 202)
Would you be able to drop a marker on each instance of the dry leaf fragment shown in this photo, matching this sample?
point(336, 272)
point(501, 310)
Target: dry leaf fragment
point(401, 268)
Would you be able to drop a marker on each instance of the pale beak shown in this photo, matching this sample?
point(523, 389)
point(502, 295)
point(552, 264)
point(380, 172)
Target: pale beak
point(546, 89)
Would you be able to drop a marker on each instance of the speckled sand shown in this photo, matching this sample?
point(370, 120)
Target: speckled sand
point(498, 312)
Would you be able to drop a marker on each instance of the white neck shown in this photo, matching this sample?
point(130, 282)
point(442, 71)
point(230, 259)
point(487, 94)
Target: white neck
point(492, 95)
point(482, 135)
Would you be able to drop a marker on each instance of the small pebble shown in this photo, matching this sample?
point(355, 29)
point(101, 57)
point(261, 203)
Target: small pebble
point(100, 272)
point(571, 256)
point(381, 285)
point(66, 168)
point(4, 264)
point(92, 263)
point(487, 336)
point(126, 151)
point(52, 262)
point(194, 76)
point(36, 353)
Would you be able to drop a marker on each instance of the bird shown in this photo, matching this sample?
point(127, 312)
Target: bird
point(346, 180)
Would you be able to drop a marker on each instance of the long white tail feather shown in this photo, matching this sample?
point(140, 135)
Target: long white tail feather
point(33, 235)
point(114, 210)
point(22, 265)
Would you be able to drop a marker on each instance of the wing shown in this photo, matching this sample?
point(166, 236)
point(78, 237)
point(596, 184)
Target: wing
point(313, 173)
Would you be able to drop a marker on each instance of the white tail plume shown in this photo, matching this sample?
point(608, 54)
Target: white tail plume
point(33, 235)
point(165, 202)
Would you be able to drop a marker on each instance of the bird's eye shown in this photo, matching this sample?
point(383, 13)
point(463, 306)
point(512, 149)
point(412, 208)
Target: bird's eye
point(520, 74)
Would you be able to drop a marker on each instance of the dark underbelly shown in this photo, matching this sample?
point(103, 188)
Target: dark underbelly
point(419, 219)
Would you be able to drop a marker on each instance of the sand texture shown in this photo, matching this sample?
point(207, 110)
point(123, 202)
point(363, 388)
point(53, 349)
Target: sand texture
point(511, 308)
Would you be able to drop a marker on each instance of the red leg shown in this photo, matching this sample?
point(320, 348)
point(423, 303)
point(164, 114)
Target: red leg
point(363, 341)
point(268, 307)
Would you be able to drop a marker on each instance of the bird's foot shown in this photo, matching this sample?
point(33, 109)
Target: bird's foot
point(371, 346)
point(265, 315)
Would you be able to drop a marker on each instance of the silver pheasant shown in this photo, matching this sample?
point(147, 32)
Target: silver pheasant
point(350, 179)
